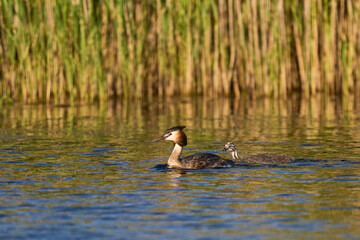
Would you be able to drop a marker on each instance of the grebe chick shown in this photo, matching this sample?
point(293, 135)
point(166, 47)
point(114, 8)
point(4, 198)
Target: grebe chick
point(264, 158)
point(196, 161)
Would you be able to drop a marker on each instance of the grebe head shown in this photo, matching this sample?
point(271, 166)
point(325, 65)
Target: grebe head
point(174, 134)
point(229, 147)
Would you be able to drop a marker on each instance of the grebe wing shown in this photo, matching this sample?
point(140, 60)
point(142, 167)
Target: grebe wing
point(205, 160)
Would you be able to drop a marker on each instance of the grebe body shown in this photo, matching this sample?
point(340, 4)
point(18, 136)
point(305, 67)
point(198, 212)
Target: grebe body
point(264, 158)
point(196, 161)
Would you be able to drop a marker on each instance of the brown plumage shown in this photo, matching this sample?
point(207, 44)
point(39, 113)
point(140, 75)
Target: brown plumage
point(196, 161)
point(265, 158)
point(205, 160)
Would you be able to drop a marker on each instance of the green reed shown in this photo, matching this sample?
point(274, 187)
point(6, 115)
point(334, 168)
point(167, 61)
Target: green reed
point(63, 51)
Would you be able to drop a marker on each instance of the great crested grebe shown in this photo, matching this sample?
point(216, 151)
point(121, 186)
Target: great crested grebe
point(264, 158)
point(196, 161)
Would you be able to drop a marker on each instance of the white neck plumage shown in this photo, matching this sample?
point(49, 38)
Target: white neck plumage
point(174, 159)
point(235, 155)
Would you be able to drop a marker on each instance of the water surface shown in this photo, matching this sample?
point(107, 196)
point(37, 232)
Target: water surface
point(89, 171)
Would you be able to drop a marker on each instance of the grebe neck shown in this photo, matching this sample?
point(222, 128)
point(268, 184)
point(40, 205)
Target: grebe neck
point(174, 159)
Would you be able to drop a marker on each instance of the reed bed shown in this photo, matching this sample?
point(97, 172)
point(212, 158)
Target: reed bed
point(63, 51)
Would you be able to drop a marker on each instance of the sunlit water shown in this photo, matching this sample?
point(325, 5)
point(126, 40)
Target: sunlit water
point(92, 172)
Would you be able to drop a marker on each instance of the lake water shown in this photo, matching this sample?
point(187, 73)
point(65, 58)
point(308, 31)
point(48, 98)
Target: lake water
point(89, 171)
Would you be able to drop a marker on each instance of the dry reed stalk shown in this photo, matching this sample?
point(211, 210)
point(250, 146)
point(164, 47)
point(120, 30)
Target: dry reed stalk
point(232, 48)
point(331, 48)
point(265, 36)
point(307, 49)
point(196, 53)
point(171, 86)
point(119, 73)
point(216, 57)
point(160, 63)
point(223, 37)
point(285, 84)
point(242, 53)
point(256, 48)
point(205, 54)
point(130, 46)
point(250, 83)
point(348, 31)
point(353, 9)
point(314, 61)
point(299, 54)
point(188, 45)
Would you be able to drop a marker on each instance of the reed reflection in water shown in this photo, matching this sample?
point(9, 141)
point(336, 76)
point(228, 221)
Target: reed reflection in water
point(88, 171)
point(296, 117)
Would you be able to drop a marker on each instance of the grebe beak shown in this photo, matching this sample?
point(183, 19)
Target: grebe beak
point(163, 137)
point(159, 138)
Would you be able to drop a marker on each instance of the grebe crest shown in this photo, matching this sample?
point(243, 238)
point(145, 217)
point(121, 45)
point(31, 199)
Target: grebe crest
point(176, 135)
point(196, 161)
